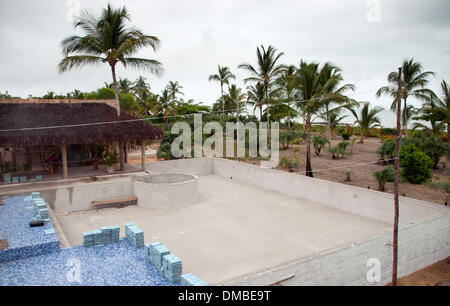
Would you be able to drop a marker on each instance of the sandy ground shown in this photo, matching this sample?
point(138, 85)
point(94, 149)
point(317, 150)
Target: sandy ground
point(437, 274)
point(221, 238)
point(361, 176)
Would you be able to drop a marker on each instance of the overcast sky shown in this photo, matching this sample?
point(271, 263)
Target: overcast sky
point(197, 35)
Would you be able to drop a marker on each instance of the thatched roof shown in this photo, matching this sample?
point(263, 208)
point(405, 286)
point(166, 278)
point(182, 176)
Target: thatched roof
point(32, 115)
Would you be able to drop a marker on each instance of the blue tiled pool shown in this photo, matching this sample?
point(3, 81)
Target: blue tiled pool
point(24, 241)
point(34, 258)
point(118, 264)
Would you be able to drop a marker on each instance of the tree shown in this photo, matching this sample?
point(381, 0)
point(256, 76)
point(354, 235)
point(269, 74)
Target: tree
point(173, 89)
point(366, 119)
point(141, 90)
point(334, 91)
point(413, 85)
point(255, 97)
point(223, 76)
point(311, 93)
point(108, 39)
point(124, 86)
point(166, 105)
point(287, 83)
point(235, 97)
point(266, 71)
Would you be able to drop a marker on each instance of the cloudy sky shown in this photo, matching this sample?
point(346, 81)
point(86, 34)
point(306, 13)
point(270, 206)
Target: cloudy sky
point(366, 38)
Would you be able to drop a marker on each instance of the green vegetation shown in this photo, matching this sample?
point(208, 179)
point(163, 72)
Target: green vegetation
point(319, 143)
point(383, 176)
point(339, 151)
point(416, 165)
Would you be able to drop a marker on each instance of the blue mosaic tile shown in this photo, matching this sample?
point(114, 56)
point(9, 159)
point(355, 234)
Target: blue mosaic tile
point(24, 241)
point(114, 264)
point(190, 279)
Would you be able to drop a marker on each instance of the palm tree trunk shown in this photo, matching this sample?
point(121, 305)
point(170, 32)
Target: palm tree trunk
point(260, 112)
point(289, 115)
point(405, 117)
point(116, 94)
point(308, 146)
point(328, 124)
point(223, 102)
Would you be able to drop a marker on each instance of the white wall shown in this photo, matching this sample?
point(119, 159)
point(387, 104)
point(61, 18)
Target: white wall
point(359, 201)
point(79, 197)
point(420, 245)
point(196, 166)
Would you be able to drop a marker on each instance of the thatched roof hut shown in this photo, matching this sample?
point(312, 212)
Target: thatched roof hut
point(41, 124)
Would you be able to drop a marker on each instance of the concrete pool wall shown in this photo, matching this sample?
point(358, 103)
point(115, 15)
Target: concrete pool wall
point(424, 227)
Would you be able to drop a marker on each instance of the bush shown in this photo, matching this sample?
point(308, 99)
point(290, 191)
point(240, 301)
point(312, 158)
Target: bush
point(287, 138)
point(430, 144)
point(383, 176)
point(290, 164)
point(346, 136)
point(388, 132)
point(318, 143)
point(416, 165)
point(387, 149)
point(339, 151)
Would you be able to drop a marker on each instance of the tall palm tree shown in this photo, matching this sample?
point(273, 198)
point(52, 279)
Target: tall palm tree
point(287, 83)
point(141, 89)
point(236, 98)
point(266, 71)
point(444, 103)
point(166, 105)
point(367, 118)
point(223, 76)
point(173, 89)
point(312, 92)
point(308, 94)
point(124, 85)
point(255, 97)
point(413, 85)
point(332, 76)
point(108, 39)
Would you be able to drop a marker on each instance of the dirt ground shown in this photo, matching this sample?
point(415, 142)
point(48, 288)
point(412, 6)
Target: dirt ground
point(437, 274)
point(361, 175)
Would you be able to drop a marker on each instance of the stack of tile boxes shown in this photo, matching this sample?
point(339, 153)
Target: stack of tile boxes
point(167, 263)
point(190, 279)
point(106, 234)
point(41, 207)
point(134, 235)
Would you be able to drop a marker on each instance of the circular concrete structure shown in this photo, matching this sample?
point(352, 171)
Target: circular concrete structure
point(166, 190)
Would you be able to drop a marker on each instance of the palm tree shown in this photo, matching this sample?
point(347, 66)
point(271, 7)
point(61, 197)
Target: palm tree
point(444, 104)
point(124, 86)
point(235, 97)
point(223, 76)
point(141, 89)
point(413, 85)
point(335, 91)
point(166, 105)
point(255, 96)
point(311, 94)
point(367, 119)
point(266, 71)
point(287, 83)
point(435, 111)
point(173, 89)
point(108, 39)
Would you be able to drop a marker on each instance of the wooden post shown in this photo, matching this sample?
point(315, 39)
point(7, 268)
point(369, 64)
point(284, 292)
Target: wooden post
point(396, 179)
point(64, 161)
point(143, 159)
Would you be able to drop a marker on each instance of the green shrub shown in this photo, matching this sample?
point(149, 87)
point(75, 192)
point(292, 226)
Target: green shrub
point(416, 165)
point(290, 164)
point(430, 144)
point(387, 149)
point(288, 137)
point(346, 136)
point(318, 143)
point(388, 132)
point(383, 176)
point(339, 151)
